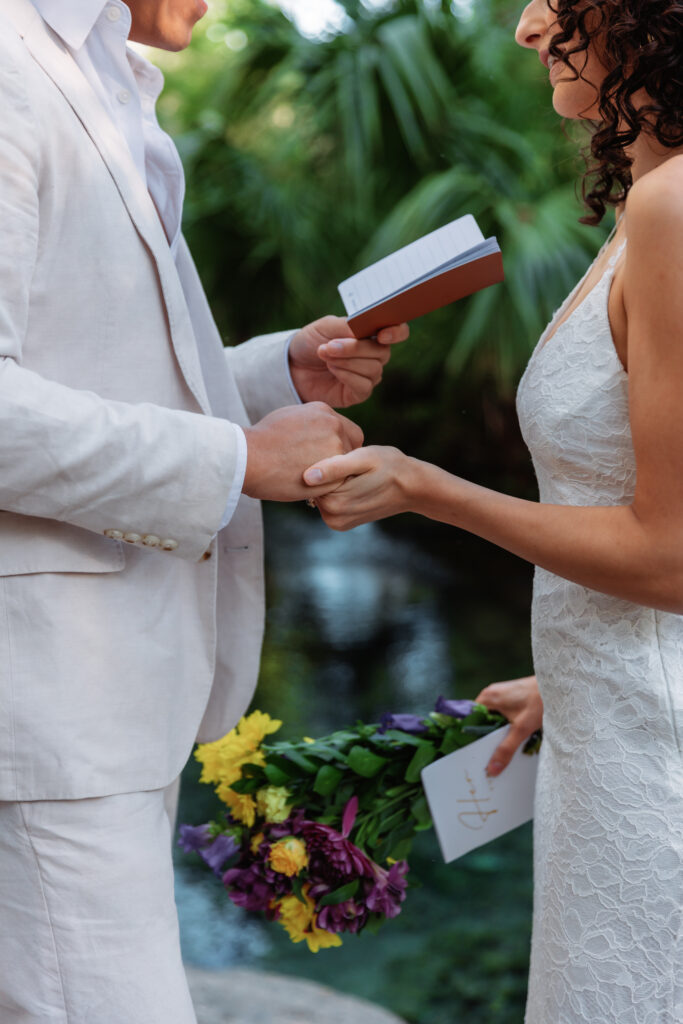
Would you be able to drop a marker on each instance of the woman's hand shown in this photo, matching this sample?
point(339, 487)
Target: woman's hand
point(367, 484)
point(520, 702)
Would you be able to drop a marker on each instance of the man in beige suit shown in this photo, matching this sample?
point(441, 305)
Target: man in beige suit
point(133, 449)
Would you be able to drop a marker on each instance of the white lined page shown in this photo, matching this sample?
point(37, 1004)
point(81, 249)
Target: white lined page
point(402, 268)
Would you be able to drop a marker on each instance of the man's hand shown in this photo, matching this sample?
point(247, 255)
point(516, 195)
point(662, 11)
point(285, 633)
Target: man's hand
point(328, 364)
point(284, 443)
point(521, 703)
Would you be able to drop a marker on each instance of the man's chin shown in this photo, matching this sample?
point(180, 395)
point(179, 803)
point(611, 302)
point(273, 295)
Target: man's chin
point(174, 34)
point(171, 41)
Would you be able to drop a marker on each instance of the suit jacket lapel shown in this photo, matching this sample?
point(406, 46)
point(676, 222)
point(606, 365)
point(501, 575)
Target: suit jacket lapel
point(49, 52)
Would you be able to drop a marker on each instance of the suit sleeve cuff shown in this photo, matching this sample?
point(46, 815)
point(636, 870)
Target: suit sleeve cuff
point(297, 397)
point(238, 477)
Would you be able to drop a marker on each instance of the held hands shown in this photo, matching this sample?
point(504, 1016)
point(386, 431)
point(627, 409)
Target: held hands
point(284, 443)
point(520, 702)
point(364, 485)
point(328, 364)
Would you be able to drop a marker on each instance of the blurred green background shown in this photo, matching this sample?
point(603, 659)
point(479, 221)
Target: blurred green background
point(307, 157)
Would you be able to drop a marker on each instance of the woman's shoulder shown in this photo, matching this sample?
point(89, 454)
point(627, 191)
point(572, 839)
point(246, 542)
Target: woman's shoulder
point(654, 207)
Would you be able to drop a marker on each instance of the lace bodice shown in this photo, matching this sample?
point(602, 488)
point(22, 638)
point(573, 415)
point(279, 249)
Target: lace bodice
point(607, 945)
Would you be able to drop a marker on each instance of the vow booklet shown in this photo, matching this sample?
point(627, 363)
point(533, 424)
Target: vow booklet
point(439, 268)
point(469, 808)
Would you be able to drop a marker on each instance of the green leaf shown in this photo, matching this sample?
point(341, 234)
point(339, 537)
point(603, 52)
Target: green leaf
point(420, 811)
point(327, 780)
point(533, 744)
point(374, 923)
point(324, 752)
point(452, 740)
point(286, 766)
point(247, 785)
point(363, 762)
point(345, 892)
point(423, 756)
point(342, 737)
point(275, 775)
point(479, 730)
point(298, 889)
point(301, 761)
point(402, 849)
point(385, 825)
point(404, 738)
point(397, 790)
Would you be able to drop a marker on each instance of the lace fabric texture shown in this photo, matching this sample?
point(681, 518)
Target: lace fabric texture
point(608, 831)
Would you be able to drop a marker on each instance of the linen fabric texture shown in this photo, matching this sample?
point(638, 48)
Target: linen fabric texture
point(116, 403)
point(86, 886)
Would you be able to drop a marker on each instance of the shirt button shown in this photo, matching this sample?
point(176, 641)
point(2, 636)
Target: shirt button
point(114, 534)
point(123, 96)
point(132, 538)
point(169, 544)
point(113, 13)
point(150, 541)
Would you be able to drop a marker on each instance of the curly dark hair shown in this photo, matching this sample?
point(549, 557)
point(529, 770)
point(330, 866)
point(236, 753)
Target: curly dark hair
point(640, 42)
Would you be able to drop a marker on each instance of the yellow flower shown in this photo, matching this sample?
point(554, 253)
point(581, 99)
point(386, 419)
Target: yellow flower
point(272, 805)
point(223, 759)
point(288, 856)
point(256, 842)
point(242, 806)
point(257, 726)
point(298, 919)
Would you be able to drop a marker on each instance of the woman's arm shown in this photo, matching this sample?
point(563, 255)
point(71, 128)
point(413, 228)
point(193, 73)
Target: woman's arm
point(634, 551)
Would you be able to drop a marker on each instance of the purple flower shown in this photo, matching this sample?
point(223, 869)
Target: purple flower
point(454, 708)
point(193, 838)
point(248, 888)
point(334, 859)
point(350, 916)
point(215, 852)
point(349, 816)
point(221, 849)
point(389, 891)
point(291, 827)
point(406, 723)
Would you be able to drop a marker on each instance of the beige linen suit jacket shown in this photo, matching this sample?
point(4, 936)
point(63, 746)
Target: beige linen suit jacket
point(114, 395)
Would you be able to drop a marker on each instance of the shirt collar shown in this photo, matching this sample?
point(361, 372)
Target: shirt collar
point(72, 20)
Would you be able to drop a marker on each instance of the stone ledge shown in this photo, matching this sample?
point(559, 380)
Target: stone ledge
point(240, 996)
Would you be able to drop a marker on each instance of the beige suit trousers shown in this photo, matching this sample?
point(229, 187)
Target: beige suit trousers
point(88, 924)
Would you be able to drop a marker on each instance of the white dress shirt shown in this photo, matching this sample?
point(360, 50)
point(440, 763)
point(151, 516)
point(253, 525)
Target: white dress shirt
point(128, 86)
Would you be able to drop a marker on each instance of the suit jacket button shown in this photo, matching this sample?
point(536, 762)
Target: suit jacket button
point(132, 538)
point(169, 544)
point(150, 541)
point(206, 556)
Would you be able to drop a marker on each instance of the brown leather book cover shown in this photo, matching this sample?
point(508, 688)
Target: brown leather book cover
point(422, 298)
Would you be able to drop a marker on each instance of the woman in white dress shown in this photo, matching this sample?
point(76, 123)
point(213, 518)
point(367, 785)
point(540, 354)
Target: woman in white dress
point(601, 408)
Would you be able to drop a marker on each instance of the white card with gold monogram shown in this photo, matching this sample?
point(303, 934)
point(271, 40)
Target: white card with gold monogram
point(469, 808)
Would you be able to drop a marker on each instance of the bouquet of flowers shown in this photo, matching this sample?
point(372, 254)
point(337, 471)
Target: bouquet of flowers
point(317, 832)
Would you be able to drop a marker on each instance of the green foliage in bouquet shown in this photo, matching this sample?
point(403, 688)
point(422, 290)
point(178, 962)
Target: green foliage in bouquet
point(310, 823)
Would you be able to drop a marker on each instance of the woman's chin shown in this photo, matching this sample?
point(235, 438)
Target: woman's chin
point(575, 101)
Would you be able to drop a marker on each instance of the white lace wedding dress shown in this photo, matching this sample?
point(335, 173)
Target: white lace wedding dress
point(608, 833)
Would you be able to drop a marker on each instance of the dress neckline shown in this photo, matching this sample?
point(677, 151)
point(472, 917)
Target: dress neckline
point(556, 323)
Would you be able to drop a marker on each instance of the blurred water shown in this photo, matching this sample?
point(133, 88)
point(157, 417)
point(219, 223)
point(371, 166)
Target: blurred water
point(363, 602)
